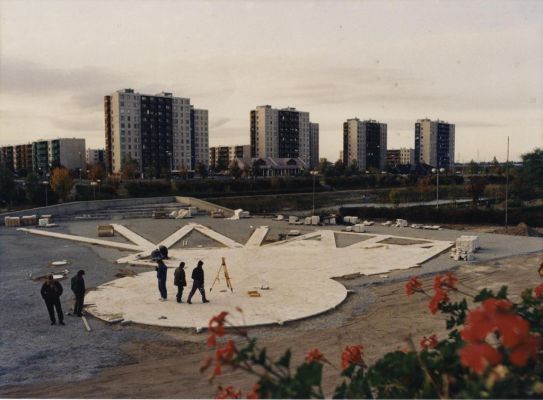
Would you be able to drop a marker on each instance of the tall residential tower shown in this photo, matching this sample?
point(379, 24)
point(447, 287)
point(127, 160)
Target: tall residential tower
point(434, 143)
point(364, 143)
point(161, 132)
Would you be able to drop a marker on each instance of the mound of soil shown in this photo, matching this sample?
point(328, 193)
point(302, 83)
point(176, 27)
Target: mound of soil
point(520, 230)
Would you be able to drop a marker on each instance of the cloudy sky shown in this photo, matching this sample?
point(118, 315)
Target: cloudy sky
point(478, 64)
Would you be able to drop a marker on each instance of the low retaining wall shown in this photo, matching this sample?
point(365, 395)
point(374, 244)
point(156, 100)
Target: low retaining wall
point(81, 207)
point(203, 205)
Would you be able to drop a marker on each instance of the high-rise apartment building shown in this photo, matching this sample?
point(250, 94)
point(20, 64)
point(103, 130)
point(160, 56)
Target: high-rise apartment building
point(66, 152)
point(313, 145)
point(434, 143)
point(365, 143)
point(280, 133)
point(95, 156)
point(160, 132)
point(22, 157)
point(222, 156)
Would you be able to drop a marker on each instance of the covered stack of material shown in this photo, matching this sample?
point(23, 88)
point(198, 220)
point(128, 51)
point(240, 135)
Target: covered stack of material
point(315, 220)
point(239, 214)
point(193, 211)
point(468, 243)
point(181, 214)
point(28, 220)
point(401, 223)
point(12, 221)
point(307, 221)
point(292, 219)
point(350, 220)
point(359, 228)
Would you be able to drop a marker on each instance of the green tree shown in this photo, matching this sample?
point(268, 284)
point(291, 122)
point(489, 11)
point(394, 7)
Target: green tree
point(35, 191)
point(202, 170)
point(235, 170)
point(473, 168)
point(532, 169)
point(394, 197)
point(129, 167)
point(61, 182)
point(7, 187)
point(476, 188)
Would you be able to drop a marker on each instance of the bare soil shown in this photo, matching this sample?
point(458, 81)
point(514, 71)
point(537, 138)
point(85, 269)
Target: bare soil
point(170, 369)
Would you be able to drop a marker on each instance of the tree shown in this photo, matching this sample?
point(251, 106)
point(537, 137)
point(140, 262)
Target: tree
point(202, 170)
point(496, 167)
point(476, 188)
point(7, 186)
point(97, 172)
point(184, 171)
point(129, 167)
point(532, 169)
point(323, 166)
point(394, 197)
point(473, 168)
point(61, 182)
point(235, 170)
point(35, 193)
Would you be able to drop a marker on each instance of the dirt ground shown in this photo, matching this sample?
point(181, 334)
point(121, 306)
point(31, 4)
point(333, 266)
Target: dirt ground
point(170, 369)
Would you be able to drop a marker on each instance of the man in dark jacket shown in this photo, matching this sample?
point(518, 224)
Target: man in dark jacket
point(78, 287)
point(198, 282)
point(51, 292)
point(161, 273)
point(179, 280)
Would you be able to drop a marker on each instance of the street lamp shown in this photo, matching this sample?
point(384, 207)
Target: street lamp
point(314, 173)
point(437, 171)
point(169, 154)
point(45, 184)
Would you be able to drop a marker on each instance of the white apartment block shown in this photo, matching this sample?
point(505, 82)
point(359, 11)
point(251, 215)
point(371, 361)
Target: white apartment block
point(365, 142)
point(407, 156)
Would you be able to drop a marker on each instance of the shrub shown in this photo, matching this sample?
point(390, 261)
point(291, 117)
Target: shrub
point(491, 350)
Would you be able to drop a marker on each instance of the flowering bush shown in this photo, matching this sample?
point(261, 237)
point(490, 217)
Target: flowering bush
point(492, 349)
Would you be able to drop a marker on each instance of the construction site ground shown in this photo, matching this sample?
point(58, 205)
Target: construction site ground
point(44, 361)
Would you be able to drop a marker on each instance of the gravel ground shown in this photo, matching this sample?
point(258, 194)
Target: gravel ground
point(32, 351)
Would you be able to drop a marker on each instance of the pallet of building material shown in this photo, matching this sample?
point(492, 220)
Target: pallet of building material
point(292, 219)
point(217, 214)
point(307, 221)
point(29, 220)
point(367, 223)
point(468, 243)
point(12, 221)
point(253, 293)
point(106, 230)
point(48, 217)
point(401, 223)
point(193, 211)
point(387, 223)
point(315, 220)
point(350, 220)
point(358, 228)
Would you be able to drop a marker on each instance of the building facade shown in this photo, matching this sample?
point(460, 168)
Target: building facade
point(95, 156)
point(6, 157)
point(22, 157)
point(393, 157)
point(220, 157)
point(365, 143)
point(434, 143)
point(280, 133)
point(160, 132)
point(402, 156)
point(313, 145)
point(63, 152)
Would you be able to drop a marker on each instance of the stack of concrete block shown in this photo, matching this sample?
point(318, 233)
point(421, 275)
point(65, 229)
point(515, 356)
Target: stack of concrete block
point(49, 218)
point(29, 220)
point(105, 230)
point(193, 211)
point(468, 243)
point(401, 223)
point(307, 221)
point(315, 220)
point(43, 222)
point(359, 228)
point(292, 219)
point(458, 254)
point(350, 220)
point(11, 222)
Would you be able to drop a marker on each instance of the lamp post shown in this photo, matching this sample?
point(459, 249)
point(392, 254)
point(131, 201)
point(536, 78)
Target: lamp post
point(314, 173)
point(437, 171)
point(45, 184)
point(98, 181)
point(169, 154)
point(80, 168)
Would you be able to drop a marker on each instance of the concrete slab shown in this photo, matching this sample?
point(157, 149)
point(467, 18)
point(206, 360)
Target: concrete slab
point(133, 237)
point(257, 237)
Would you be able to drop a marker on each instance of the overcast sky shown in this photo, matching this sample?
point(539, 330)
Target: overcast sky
point(476, 64)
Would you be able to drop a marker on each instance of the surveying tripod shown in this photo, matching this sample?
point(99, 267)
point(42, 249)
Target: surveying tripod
point(224, 269)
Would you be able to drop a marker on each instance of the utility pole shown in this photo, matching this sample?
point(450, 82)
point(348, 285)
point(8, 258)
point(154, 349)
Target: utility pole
point(506, 184)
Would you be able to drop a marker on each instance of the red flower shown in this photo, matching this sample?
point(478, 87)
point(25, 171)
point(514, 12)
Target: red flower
point(528, 348)
point(538, 291)
point(439, 296)
point(314, 355)
point(477, 356)
point(212, 340)
point(428, 343)
point(450, 280)
point(253, 394)
point(228, 393)
point(414, 285)
point(352, 355)
point(216, 324)
point(438, 282)
point(226, 353)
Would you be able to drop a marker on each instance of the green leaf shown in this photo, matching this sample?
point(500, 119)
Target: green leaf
point(284, 361)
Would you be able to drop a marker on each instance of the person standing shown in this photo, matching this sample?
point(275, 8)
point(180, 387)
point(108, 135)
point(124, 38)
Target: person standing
point(179, 280)
point(51, 292)
point(78, 287)
point(161, 273)
point(198, 282)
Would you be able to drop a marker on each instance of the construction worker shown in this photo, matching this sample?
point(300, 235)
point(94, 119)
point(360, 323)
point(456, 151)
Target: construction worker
point(161, 273)
point(179, 280)
point(198, 282)
point(51, 292)
point(78, 287)
point(163, 252)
